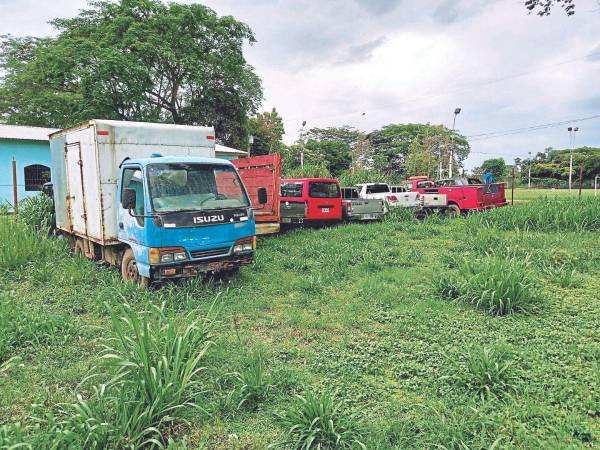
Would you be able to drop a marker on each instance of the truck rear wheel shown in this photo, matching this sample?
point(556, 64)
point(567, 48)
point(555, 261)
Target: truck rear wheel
point(453, 211)
point(129, 270)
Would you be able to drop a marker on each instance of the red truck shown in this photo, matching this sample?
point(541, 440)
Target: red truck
point(310, 201)
point(463, 194)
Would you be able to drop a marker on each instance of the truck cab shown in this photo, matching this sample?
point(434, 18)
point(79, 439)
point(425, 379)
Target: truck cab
point(182, 216)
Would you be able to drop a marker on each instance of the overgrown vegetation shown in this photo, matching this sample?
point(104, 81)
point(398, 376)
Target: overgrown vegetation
point(37, 212)
point(342, 317)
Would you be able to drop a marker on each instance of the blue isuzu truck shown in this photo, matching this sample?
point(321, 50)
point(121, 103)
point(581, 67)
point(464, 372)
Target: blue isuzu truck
point(151, 199)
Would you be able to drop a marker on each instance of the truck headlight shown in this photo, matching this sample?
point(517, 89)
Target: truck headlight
point(179, 256)
point(165, 255)
point(245, 245)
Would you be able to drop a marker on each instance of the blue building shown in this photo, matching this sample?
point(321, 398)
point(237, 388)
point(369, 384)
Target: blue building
point(30, 148)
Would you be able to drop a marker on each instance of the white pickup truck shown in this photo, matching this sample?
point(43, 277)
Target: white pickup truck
point(398, 197)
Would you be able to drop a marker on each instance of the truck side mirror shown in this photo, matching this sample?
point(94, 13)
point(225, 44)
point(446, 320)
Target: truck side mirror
point(262, 195)
point(128, 198)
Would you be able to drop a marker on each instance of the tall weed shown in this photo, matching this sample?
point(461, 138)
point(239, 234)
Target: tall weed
point(497, 285)
point(37, 212)
point(317, 422)
point(20, 244)
point(154, 367)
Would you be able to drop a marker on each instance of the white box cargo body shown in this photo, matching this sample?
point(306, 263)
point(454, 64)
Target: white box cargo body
point(85, 168)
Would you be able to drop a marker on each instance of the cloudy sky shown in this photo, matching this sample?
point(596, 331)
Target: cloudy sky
point(330, 61)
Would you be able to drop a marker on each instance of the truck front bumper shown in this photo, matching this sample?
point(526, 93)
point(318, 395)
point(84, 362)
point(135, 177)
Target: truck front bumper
point(191, 269)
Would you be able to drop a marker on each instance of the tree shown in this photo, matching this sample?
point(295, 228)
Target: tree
point(134, 60)
point(393, 144)
point(267, 130)
point(497, 166)
point(544, 7)
point(335, 154)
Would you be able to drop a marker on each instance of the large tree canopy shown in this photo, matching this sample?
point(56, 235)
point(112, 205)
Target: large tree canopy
point(267, 131)
point(416, 149)
point(134, 60)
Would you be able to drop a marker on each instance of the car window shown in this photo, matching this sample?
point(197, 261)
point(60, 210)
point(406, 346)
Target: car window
point(323, 189)
point(425, 184)
point(377, 188)
point(132, 179)
point(293, 189)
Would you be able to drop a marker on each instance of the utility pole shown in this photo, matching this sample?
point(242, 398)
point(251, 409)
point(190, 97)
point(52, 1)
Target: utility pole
point(15, 187)
point(451, 159)
point(572, 132)
point(529, 178)
point(302, 144)
point(580, 179)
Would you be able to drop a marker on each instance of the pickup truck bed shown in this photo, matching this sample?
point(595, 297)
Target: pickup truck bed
point(360, 209)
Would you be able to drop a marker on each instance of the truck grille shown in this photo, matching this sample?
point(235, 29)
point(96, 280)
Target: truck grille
point(210, 253)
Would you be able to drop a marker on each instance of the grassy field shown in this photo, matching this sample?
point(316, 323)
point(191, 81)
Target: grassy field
point(524, 194)
point(472, 333)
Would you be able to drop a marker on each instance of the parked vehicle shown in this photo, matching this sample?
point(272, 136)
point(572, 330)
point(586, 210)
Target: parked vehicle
point(399, 196)
point(310, 201)
point(355, 208)
point(382, 191)
point(463, 194)
point(263, 171)
point(156, 217)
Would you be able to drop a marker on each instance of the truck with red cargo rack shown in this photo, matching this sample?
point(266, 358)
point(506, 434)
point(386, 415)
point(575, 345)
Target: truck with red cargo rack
point(463, 194)
point(310, 201)
point(262, 171)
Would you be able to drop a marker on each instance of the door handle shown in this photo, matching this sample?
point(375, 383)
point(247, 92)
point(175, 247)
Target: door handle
point(121, 225)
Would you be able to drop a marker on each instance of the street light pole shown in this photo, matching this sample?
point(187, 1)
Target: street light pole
point(529, 179)
point(451, 159)
point(596, 185)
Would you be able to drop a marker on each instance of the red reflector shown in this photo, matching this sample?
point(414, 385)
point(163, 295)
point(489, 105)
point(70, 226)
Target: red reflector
point(210, 138)
point(103, 133)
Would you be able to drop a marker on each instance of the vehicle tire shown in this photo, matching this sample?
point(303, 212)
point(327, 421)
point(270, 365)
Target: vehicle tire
point(129, 271)
point(453, 211)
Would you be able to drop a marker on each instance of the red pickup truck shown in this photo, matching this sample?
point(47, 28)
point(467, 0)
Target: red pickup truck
point(463, 194)
point(310, 201)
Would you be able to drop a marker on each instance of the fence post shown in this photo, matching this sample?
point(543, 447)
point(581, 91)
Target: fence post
point(512, 195)
point(580, 179)
point(15, 188)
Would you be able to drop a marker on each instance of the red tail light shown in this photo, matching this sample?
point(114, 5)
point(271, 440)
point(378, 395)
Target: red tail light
point(392, 198)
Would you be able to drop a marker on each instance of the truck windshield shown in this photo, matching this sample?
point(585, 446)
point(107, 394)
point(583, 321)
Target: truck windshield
point(377, 188)
point(323, 189)
point(179, 187)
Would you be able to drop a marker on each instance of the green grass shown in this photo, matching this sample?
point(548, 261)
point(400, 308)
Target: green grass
point(522, 194)
point(347, 313)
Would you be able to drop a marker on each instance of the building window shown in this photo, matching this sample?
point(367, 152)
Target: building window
point(35, 176)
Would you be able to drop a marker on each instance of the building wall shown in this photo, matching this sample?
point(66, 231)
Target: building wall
point(25, 153)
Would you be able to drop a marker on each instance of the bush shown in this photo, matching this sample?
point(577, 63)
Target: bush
point(486, 371)
point(308, 171)
point(254, 382)
point(21, 244)
point(316, 422)
point(497, 285)
point(153, 365)
point(37, 212)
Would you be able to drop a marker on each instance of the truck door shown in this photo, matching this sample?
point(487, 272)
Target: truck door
point(131, 228)
point(257, 172)
point(75, 189)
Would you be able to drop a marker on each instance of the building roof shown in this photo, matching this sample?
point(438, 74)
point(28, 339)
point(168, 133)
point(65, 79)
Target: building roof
point(25, 133)
point(224, 149)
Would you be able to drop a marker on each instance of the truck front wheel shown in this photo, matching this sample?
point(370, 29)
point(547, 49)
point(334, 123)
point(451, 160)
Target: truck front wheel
point(129, 270)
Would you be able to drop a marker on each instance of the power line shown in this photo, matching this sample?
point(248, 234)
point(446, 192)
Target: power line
point(495, 134)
